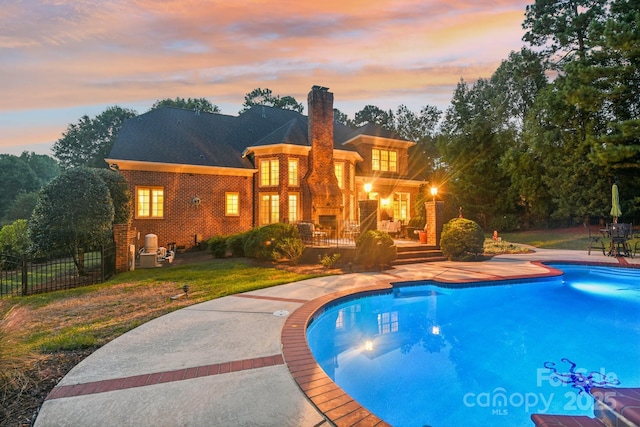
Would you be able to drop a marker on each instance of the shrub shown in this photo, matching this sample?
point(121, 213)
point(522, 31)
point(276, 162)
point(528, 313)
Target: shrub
point(235, 243)
point(14, 238)
point(416, 222)
point(262, 243)
point(291, 248)
point(375, 248)
point(461, 239)
point(327, 260)
point(218, 246)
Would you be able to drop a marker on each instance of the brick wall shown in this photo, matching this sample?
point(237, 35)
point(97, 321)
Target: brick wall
point(182, 219)
point(435, 221)
point(123, 236)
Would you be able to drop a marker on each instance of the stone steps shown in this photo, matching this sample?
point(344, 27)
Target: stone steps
point(411, 254)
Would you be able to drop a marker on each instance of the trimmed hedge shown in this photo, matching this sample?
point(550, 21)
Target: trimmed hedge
point(461, 240)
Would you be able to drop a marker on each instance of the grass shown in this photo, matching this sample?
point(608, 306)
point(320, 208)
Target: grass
point(42, 336)
point(575, 238)
point(93, 315)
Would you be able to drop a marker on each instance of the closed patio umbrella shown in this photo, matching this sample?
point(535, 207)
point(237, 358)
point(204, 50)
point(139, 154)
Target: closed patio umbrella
point(615, 203)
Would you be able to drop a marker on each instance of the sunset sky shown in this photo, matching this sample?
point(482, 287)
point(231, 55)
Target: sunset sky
point(62, 59)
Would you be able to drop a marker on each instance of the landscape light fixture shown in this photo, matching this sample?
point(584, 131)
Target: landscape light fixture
point(367, 188)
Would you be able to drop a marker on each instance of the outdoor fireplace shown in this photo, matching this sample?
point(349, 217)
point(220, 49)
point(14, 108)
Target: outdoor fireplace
point(326, 195)
point(328, 223)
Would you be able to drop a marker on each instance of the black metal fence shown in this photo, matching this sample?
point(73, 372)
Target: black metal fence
point(25, 275)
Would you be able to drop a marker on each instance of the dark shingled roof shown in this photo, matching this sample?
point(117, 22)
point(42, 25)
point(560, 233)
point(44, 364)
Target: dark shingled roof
point(371, 129)
point(173, 135)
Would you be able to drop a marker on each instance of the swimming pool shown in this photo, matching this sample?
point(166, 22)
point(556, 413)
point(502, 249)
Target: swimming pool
point(430, 355)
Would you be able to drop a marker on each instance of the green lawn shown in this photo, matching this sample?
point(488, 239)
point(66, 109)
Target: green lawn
point(567, 238)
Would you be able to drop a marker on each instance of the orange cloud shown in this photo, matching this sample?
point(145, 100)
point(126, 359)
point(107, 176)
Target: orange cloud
point(67, 54)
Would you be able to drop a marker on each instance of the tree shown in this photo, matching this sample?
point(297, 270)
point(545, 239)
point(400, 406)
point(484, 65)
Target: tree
point(14, 239)
point(555, 131)
point(16, 177)
point(22, 207)
point(586, 125)
point(375, 115)
point(517, 82)
point(45, 167)
point(612, 88)
point(472, 145)
point(199, 104)
point(562, 28)
point(74, 213)
point(421, 129)
point(266, 97)
point(88, 142)
point(120, 195)
point(340, 117)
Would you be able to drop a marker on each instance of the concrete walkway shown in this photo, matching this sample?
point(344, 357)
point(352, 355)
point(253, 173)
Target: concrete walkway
point(221, 363)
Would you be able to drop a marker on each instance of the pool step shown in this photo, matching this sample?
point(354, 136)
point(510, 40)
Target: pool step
point(548, 420)
point(613, 407)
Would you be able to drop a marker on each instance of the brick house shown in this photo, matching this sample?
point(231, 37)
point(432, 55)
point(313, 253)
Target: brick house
point(194, 175)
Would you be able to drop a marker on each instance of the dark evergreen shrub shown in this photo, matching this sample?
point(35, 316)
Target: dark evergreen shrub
point(462, 239)
point(375, 249)
point(235, 243)
point(262, 242)
point(218, 246)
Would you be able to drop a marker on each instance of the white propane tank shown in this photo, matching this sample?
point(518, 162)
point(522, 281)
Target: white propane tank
point(151, 243)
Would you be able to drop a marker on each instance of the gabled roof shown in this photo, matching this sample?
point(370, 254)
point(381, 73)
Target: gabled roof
point(294, 132)
point(371, 129)
point(175, 136)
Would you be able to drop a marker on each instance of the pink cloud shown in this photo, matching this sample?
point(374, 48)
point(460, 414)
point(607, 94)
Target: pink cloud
point(69, 53)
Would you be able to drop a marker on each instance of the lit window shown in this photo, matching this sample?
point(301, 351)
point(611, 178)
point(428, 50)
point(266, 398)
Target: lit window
point(269, 208)
point(384, 160)
point(339, 167)
point(401, 206)
point(269, 172)
point(293, 172)
point(232, 204)
point(150, 202)
point(293, 207)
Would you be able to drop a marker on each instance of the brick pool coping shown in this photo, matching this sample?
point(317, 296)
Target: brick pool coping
point(336, 404)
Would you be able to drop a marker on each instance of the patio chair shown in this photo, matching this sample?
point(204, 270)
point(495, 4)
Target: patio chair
point(620, 234)
point(595, 241)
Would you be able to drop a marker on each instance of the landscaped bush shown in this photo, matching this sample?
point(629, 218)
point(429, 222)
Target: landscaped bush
point(461, 239)
point(218, 246)
point(262, 243)
point(291, 248)
point(375, 248)
point(235, 243)
point(327, 260)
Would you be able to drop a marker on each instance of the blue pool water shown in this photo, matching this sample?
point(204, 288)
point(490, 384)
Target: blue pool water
point(428, 355)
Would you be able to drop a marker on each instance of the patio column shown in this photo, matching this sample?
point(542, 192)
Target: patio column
point(434, 212)
point(368, 215)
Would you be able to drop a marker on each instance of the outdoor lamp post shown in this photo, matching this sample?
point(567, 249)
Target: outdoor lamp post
point(434, 192)
point(367, 189)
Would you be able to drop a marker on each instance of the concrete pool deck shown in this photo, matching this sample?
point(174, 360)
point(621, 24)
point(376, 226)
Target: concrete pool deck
point(241, 360)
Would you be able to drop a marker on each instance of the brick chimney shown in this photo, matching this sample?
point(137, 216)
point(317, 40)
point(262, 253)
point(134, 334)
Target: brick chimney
point(326, 196)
